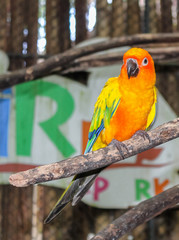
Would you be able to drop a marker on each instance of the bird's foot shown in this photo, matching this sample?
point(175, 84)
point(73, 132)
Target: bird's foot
point(143, 134)
point(120, 146)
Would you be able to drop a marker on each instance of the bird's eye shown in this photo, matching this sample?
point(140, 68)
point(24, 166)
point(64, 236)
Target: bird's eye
point(145, 62)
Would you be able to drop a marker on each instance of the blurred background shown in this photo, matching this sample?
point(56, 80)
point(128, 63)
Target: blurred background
point(30, 32)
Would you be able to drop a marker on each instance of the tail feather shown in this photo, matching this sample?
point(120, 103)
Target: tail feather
point(74, 193)
point(55, 211)
point(83, 189)
point(65, 198)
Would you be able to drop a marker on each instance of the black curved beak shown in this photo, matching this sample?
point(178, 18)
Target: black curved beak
point(132, 68)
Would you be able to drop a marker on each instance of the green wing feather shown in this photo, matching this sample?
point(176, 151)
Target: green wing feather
point(105, 108)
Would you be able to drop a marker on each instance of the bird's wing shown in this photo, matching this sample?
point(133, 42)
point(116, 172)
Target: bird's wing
point(105, 108)
point(153, 112)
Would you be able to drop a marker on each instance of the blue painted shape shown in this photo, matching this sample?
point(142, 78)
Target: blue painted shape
point(7, 91)
point(4, 123)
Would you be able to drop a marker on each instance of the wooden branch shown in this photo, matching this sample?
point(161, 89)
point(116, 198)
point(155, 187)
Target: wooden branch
point(98, 159)
point(83, 63)
point(142, 213)
point(61, 60)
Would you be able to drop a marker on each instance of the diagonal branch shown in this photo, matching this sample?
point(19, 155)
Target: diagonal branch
point(139, 214)
point(98, 159)
point(62, 60)
point(159, 54)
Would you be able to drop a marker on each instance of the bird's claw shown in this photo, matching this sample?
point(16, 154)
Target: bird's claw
point(143, 134)
point(120, 146)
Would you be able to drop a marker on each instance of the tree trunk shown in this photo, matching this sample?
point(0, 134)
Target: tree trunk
point(150, 16)
point(64, 29)
point(17, 28)
point(52, 27)
point(133, 19)
point(166, 16)
point(103, 19)
point(3, 24)
point(32, 26)
point(118, 24)
point(81, 29)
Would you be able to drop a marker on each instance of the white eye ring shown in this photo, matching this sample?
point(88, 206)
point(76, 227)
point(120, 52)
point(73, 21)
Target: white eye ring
point(145, 61)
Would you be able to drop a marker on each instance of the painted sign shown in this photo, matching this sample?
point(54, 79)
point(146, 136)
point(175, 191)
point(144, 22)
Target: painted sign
point(47, 121)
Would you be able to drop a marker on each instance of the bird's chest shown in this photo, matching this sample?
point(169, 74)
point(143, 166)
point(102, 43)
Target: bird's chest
point(130, 116)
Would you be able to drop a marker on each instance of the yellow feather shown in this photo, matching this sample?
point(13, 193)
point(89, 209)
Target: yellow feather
point(152, 114)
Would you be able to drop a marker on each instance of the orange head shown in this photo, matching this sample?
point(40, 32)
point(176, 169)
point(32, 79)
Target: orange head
point(138, 71)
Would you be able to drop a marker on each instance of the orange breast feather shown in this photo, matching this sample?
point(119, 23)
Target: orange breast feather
point(131, 115)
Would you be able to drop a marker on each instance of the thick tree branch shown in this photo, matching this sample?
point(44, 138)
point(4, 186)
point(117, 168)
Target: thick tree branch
point(98, 159)
point(159, 54)
point(61, 61)
point(141, 213)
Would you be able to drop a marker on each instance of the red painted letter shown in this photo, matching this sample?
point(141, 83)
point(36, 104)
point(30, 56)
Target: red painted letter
point(99, 186)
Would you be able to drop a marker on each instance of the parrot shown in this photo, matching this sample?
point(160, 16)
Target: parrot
point(126, 105)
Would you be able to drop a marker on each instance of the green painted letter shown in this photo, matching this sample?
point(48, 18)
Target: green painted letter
point(25, 105)
point(142, 187)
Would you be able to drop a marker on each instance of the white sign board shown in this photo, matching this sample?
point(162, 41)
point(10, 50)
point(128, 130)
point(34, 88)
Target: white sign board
point(47, 121)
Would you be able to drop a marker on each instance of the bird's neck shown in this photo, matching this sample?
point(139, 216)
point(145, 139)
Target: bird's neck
point(133, 88)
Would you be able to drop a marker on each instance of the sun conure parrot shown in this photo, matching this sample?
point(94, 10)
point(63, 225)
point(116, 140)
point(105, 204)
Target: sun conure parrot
point(126, 104)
